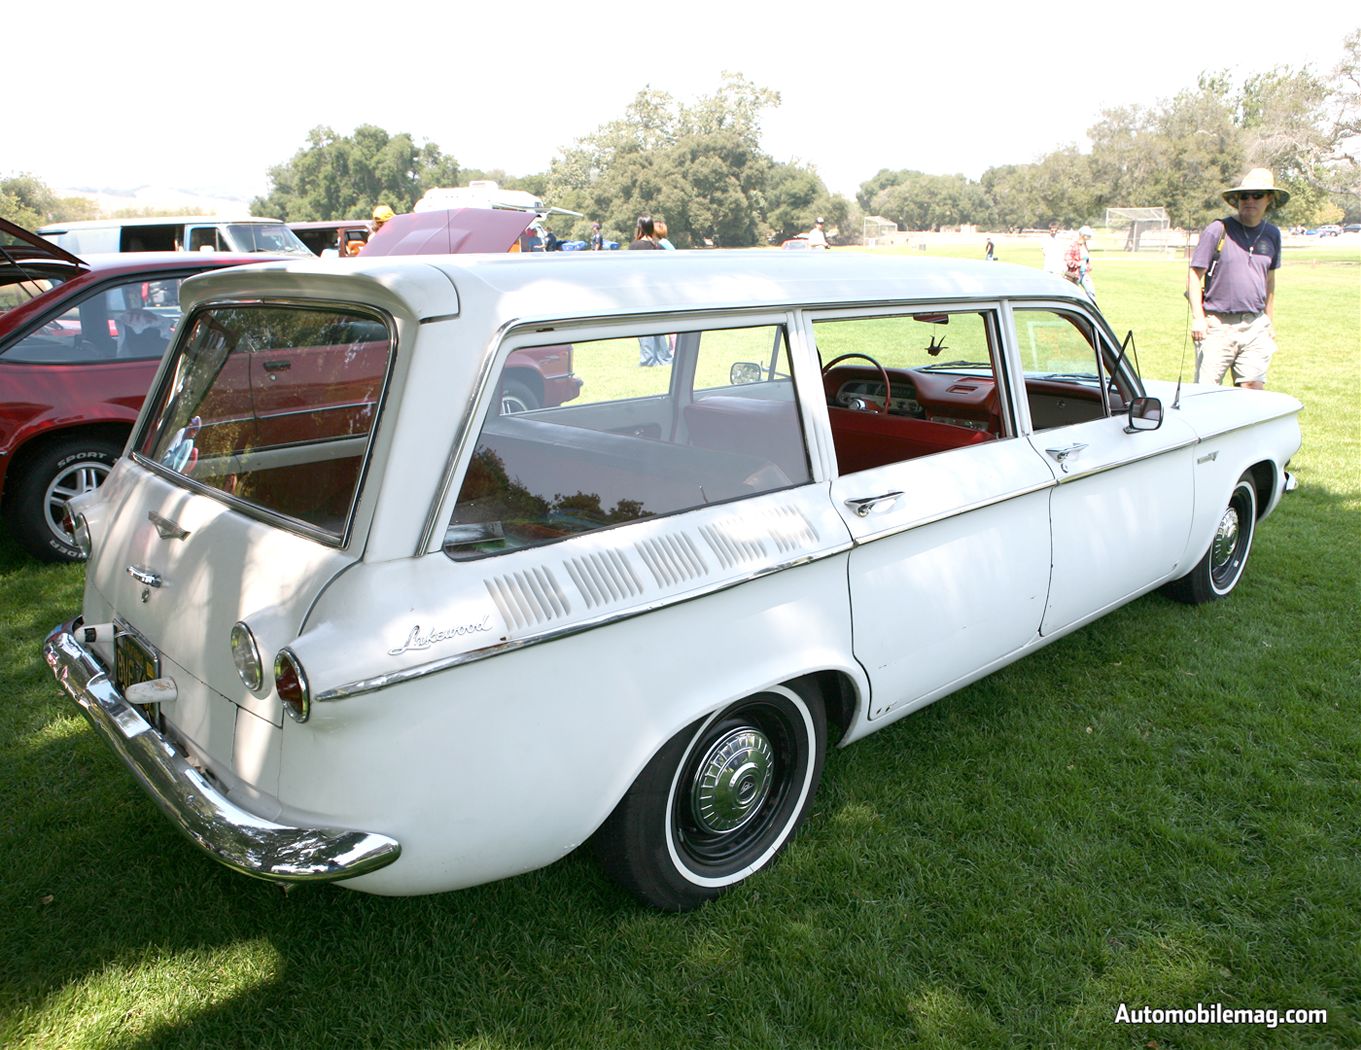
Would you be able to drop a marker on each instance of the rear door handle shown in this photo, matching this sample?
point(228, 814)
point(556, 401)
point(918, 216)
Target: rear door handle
point(277, 366)
point(865, 504)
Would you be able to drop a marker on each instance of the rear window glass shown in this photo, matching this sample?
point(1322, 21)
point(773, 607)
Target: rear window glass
point(274, 407)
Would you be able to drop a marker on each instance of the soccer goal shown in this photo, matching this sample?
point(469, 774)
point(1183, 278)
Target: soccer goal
point(1145, 229)
point(879, 230)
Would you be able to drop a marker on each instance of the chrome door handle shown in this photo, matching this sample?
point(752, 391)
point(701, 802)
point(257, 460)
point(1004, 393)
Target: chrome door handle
point(144, 576)
point(1063, 455)
point(865, 504)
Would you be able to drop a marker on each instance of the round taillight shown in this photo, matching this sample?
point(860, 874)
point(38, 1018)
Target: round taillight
point(80, 534)
point(290, 682)
point(246, 656)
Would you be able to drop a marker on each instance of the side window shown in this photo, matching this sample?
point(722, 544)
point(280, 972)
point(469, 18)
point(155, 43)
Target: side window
point(635, 442)
point(910, 385)
point(205, 239)
point(1067, 369)
point(131, 321)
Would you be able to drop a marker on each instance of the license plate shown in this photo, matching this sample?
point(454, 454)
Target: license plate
point(133, 659)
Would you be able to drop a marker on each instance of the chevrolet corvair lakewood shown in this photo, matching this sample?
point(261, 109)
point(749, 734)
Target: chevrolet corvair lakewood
point(350, 613)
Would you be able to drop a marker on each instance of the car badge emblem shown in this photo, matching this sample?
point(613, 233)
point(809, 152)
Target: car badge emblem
point(168, 529)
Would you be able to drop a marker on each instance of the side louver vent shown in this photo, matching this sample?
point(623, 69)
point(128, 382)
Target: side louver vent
point(733, 545)
point(672, 560)
point(528, 598)
point(603, 578)
point(744, 539)
point(790, 530)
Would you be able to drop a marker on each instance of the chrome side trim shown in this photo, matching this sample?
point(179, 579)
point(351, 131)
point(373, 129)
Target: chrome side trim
point(953, 512)
point(1126, 462)
point(226, 832)
point(370, 685)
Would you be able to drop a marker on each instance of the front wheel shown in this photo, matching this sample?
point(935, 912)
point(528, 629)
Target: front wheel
point(719, 801)
point(1218, 572)
point(37, 504)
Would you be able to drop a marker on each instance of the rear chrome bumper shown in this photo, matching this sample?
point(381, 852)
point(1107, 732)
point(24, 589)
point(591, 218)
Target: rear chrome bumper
point(222, 829)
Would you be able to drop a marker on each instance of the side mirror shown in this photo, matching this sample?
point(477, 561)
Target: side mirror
point(1145, 413)
point(744, 373)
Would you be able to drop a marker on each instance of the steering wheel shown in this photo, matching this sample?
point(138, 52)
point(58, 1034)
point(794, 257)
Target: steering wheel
point(883, 374)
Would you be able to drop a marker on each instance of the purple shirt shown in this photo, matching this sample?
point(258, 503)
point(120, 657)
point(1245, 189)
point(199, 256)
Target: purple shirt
point(1239, 282)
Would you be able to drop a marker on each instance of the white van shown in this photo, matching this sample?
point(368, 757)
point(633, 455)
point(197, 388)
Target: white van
point(172, 233)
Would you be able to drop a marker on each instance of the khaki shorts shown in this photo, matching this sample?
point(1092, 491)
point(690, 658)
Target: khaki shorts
point(1241, 342)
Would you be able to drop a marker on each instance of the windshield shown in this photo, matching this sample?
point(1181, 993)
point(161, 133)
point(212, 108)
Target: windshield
point(275, 238)
point(273, 407)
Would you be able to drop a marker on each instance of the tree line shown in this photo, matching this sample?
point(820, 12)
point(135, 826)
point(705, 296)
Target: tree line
point(701, 166)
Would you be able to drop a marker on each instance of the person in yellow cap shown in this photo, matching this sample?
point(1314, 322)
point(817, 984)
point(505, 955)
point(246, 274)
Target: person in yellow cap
point(381, 214)
point(1232, 285)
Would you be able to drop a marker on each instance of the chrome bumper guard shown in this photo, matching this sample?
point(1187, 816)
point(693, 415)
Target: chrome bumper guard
point(226, 832)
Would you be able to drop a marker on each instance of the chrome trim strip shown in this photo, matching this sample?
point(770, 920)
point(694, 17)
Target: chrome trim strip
point(1250, 424)
point(226, 832)
point(1126, 462)
point(983, 504)
point(369, 685)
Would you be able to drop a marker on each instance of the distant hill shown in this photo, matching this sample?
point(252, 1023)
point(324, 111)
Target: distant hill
point(163, 199)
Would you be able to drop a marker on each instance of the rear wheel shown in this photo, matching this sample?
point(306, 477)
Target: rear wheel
point(63, 469)
point(517, 397)
point(719, 801)
point(1218, 572)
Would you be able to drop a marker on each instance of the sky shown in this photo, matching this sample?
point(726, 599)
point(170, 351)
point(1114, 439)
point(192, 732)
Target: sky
point(206, 97)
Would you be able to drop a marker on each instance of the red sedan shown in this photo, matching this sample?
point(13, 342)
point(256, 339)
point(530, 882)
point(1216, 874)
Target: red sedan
point(79, 343)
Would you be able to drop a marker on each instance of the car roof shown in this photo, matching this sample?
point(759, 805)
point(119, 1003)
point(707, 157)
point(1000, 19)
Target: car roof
point(329, 224)
point(555, 286)
point(106, 266)
point(159, 220)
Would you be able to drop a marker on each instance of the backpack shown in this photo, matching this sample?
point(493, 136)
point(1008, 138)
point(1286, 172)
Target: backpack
point(1214, 261)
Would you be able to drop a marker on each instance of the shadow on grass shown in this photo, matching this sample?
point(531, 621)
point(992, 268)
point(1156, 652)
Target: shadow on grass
point(1159, 808)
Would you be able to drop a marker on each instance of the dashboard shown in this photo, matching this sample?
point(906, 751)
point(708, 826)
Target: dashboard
point(962, 399)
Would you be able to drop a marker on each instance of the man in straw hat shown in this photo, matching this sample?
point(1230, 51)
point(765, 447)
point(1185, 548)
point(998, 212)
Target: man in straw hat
point(1231, 311)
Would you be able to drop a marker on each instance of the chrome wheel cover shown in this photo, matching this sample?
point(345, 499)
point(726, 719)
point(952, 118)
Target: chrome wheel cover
point(732, 781)
point(1225, 541)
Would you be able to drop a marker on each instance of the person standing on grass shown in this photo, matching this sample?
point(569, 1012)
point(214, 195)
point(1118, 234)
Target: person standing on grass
point(653, 350)
point(1231, 313)
point(1054, 249)
point(1078, 262)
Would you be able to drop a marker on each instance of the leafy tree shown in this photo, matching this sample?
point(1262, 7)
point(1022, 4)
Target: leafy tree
point(29, 202)
point(700, 166)
point(340, 177)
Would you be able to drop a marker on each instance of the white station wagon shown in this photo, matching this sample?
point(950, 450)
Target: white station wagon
point(350, 615)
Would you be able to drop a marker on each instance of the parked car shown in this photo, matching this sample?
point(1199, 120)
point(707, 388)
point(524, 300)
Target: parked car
point(535, 377)
point(456, 231)
point(335, 236)
point(1330, 230)
point(477, 640)
point(1352, 227)
point(79, 343)
point(194, 233)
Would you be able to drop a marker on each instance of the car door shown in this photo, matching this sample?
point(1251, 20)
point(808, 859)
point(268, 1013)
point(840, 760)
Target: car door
point(950, 569)
point(1121, 511)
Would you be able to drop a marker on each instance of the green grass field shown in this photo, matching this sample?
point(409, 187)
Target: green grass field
point(1160, 810)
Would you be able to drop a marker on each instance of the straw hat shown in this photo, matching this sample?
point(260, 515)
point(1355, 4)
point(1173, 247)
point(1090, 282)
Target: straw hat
point(1258, 180)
